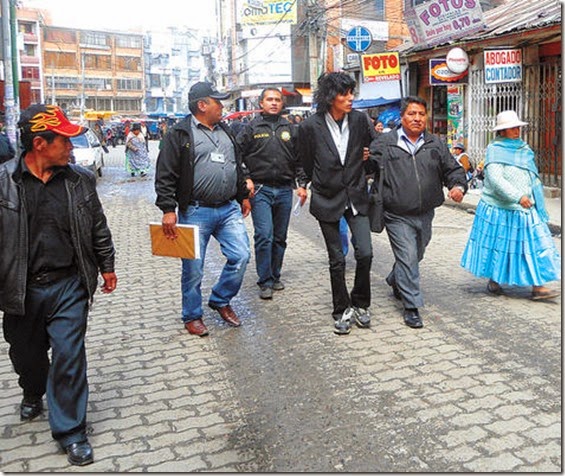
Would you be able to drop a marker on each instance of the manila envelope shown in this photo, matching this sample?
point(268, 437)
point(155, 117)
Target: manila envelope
point(186, 245)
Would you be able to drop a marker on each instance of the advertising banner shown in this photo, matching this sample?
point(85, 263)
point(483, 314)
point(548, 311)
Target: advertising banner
point(503, 66)
point(442, 21)
point(381, 67)
point(455, 129)
point(441, 75)
point(265, 12)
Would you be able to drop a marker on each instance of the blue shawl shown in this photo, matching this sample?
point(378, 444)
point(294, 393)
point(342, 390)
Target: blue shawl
point(517, 153)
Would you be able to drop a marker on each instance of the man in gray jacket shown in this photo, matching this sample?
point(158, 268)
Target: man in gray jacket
point(416, 166)
point(54, 241)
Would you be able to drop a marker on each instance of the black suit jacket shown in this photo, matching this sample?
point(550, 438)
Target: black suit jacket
point(334, 185)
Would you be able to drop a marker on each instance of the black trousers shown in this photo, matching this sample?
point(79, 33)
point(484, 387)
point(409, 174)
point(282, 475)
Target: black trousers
point(361, 292)
point(55, 317)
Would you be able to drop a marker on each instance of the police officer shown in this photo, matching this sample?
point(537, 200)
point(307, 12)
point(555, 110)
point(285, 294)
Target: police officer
point(268, 148)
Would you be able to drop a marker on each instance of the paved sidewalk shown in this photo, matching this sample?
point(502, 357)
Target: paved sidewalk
point(478, 389)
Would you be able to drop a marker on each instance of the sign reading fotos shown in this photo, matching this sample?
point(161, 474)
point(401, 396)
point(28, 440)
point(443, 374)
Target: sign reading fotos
point(266, 12)
point(441, 21)
point(503, 66)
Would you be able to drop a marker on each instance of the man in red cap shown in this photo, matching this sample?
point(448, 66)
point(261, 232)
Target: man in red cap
point(54, 242)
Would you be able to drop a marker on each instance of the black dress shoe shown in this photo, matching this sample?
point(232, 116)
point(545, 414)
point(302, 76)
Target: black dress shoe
point(30, 408)
point(412, 318)
point(80, 454)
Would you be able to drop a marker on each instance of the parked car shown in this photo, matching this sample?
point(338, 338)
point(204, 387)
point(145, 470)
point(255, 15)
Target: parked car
point(87, 151)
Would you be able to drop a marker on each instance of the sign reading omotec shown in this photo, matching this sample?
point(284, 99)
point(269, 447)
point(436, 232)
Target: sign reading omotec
point(381, 67)
point(359, 38)
point(503, 66)
point(264, 12)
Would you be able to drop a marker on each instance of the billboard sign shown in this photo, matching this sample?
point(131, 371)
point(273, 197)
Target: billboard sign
point(441, 75)
point(436, 22)
point(503, 66)
point(381, 67)
point(267, 12)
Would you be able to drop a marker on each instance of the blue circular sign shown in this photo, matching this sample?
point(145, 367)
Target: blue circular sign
point(359, 38)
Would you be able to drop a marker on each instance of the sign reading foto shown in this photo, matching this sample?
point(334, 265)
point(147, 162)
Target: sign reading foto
point(381, 67)
point(503, 66)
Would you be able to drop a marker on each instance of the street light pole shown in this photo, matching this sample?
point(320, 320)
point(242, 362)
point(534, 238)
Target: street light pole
point(9, 102)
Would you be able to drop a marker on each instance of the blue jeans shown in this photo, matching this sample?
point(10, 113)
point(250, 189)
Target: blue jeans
point(270, 210)
point(226, 225)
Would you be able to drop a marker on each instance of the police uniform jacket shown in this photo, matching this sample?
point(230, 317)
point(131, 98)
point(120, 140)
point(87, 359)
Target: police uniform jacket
point(269, 152)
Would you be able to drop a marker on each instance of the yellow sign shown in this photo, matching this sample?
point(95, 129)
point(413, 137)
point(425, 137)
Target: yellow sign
point(263, 12)
point(381, 67)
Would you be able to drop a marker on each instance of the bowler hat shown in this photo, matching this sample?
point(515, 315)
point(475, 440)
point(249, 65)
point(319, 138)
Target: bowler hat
point(508, 120)
point(203, 90)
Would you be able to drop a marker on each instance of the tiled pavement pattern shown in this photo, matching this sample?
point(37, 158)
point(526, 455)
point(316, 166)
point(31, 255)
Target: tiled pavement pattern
point(478, 389)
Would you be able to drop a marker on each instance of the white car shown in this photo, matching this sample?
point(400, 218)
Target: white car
point(87, 151)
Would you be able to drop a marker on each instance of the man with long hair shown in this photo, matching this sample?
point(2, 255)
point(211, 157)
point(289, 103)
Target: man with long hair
point(333, 148)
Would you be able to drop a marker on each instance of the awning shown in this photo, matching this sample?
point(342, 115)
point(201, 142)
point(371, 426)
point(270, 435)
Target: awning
point(366, 103)
point(304, 91)
point(286, 92)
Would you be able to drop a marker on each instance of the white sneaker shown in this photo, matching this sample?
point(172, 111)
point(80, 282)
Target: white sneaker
point(343, 324)
point(362, 317)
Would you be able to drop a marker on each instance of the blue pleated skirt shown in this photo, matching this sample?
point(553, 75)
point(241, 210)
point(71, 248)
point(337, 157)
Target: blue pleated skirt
point(511, 247)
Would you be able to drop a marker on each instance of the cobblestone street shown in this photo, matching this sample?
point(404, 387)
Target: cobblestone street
point(478, 389)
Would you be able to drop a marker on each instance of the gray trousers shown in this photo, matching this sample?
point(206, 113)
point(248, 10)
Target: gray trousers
point(408, 235)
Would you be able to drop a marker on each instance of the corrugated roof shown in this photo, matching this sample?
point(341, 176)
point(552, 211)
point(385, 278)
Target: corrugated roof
point(516, 15)
point(512, 16)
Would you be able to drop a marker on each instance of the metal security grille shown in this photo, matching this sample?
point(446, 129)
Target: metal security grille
point(537, 100)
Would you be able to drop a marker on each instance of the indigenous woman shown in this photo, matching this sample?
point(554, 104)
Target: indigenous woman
point(137, 157)
point(510, 242)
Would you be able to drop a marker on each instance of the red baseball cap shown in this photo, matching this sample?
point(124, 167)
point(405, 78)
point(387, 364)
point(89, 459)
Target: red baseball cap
point(42, 118)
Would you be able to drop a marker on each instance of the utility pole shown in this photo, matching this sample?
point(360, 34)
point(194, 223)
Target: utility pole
point(15, 56)
point(9, 103)
point(313, 18)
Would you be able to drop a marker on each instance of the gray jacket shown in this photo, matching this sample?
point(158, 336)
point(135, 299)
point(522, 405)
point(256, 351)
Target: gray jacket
point(90, 234)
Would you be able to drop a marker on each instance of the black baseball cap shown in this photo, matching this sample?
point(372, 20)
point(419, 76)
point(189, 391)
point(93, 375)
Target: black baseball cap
point(203, 90)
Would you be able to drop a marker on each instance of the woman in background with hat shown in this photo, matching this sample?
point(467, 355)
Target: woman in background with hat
point(137, 157)
point(510, 242)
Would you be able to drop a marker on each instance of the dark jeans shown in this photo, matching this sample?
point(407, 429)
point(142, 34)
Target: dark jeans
point(55, 317)
point(361, 292)
point(408, 236)
point(270, 210)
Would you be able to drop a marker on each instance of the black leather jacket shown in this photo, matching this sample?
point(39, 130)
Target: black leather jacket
point(90, 234)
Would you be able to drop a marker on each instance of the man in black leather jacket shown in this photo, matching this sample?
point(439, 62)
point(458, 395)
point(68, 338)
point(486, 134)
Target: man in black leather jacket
point(54, 241)
point(417, 165)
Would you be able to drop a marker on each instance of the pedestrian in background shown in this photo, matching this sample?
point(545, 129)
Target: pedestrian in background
point(137, 157)
point(54, 242)
point(417, 165)
point(331, 147)
point(463, 159)
point(199, 175)
point(7, 151)
point(273, 171)
point(510, 242)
